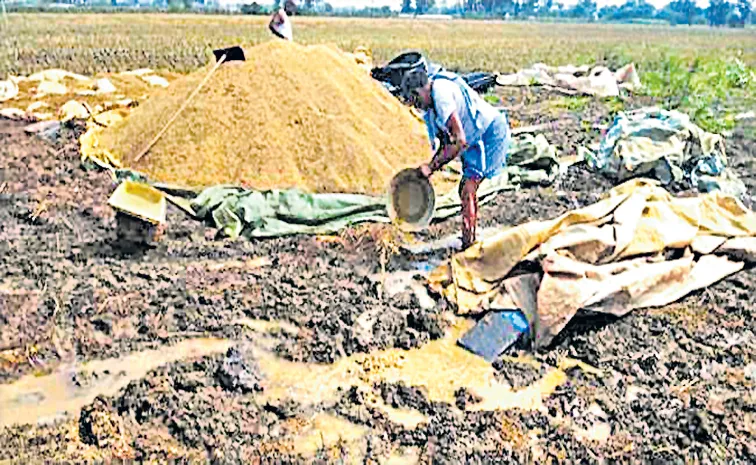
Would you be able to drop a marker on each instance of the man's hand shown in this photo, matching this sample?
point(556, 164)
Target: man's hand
point(425, 170)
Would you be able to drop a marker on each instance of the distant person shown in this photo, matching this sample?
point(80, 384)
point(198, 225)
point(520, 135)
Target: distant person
point(280, 24)
point(466, 126)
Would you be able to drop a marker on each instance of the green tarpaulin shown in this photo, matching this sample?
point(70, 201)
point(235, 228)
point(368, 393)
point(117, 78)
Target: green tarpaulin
point(238, 211)
point(666, 145)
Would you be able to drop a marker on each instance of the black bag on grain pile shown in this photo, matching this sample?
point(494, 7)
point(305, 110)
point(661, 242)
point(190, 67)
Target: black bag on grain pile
point(392, 73)
point(480, 82)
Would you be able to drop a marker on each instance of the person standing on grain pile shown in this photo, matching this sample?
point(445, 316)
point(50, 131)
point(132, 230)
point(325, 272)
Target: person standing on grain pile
point(465, 125)
point(280, 24)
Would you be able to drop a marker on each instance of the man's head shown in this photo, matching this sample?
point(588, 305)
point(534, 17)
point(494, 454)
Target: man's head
point(290, 7)
point(416, 88)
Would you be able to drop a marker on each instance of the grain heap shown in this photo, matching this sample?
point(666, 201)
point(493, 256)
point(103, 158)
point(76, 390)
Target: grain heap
point(290, 116)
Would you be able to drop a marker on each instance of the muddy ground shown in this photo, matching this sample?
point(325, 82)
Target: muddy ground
point(676, 384)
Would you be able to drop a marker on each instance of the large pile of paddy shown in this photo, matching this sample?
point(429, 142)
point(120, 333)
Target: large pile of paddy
point(290, 116)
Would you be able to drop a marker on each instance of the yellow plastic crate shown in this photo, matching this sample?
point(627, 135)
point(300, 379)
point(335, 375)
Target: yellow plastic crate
point(140, 200)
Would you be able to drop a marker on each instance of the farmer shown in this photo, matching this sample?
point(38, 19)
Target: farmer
point(465, 125)
point(280, 24)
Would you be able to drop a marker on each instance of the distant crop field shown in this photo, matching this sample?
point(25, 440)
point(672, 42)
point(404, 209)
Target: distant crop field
point(90, 43)
point(706, 72)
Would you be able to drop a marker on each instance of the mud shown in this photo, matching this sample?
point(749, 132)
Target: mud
point(329, 363)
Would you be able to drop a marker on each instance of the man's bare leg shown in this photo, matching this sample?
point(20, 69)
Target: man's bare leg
point(468, 193)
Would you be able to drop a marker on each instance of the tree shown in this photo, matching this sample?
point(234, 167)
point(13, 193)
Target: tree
point(718, 12)
point(406, 6)
point(492, 6)
point(422, 6)
point(583, 9)
point(687, 8)
point(506, 6)
point(631, 9)
point(328, 8)
point(643, 9)
point(252, 9)
point(608, 12)
point(529, 7)
point(680, 12)
point(744, 10)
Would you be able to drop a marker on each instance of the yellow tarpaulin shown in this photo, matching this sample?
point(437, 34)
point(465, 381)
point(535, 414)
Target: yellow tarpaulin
point(60, 94)
point(606, 257)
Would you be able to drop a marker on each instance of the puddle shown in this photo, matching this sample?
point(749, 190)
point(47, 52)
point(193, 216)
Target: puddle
point(46, 398)
point(441, 367)
point(309, 384)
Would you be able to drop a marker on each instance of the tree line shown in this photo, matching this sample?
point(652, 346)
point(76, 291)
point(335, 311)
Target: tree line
point(734, 13)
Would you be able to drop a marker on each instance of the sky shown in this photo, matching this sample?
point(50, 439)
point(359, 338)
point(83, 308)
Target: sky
point(396, 4)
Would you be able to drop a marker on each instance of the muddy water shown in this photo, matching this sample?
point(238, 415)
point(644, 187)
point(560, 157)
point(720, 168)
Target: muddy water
point(38, 399)
point(441, 367)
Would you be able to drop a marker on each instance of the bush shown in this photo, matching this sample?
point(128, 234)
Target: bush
point(708, 88)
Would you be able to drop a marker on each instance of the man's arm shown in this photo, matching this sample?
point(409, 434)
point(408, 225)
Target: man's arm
point(448, 152)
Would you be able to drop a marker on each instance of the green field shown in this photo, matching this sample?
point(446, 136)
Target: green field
point(89, 43)
point(709, 71)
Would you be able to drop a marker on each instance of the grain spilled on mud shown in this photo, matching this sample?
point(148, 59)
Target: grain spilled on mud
point(441, 367)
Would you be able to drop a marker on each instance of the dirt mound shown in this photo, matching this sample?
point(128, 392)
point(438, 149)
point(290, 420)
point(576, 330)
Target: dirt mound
point(289, 116)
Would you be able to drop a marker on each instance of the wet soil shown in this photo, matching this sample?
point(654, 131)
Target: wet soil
point(60, 246)
point(676, 384)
